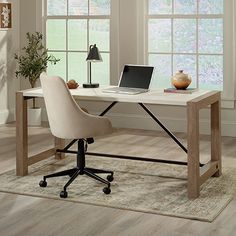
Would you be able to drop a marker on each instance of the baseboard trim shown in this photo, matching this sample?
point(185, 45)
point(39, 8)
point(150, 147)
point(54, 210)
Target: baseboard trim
point(134, 121)
point(7, 115)
point(173, 124)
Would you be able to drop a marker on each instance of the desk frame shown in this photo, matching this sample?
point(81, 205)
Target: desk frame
point(197, 174)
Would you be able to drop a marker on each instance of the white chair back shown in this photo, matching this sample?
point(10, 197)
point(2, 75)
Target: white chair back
point(66, 119)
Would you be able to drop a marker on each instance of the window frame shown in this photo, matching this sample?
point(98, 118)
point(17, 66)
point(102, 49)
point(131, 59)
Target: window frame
point(42, 17)
point(229, 28)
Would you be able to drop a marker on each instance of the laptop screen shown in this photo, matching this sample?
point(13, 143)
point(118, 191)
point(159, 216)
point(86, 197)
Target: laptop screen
point(135, 76)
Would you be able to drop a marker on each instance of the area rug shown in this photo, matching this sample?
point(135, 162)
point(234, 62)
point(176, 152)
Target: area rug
point(139, 186)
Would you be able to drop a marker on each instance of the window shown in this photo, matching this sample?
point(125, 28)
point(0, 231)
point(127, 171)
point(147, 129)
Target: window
point(71, 26)
point(187, 35)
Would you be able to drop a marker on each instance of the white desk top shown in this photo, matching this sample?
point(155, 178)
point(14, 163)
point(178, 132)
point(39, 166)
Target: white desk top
point(151, 97)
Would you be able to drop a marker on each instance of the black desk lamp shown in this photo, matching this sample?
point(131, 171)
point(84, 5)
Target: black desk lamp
point(93, 56)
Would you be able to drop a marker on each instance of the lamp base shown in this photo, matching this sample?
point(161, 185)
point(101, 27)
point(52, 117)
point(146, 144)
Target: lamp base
point(90, 85)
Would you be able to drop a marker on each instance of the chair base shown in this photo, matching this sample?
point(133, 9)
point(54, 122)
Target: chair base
point(80, 169)
point(75, 172)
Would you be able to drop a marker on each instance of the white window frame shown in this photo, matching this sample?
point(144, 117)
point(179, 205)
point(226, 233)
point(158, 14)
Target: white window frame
point(229, 48)
point(41, 18)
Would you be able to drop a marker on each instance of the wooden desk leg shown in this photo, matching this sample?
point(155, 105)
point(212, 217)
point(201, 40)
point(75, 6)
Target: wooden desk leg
point(216, 136)
point(21, 135)
point(59, 144)
point(193, 150)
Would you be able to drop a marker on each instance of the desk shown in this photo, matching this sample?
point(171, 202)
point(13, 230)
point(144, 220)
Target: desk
point(197, 174)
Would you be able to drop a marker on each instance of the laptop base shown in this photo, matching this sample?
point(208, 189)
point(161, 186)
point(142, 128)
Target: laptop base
point(124, 90)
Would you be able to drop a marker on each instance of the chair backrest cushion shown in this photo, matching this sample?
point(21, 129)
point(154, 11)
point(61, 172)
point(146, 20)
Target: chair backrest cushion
point(66, 118)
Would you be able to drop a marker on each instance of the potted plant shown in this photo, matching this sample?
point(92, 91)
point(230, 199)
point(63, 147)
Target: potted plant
point(31, 64)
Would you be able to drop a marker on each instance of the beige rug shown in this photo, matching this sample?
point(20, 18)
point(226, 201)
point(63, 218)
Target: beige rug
point(138, 186)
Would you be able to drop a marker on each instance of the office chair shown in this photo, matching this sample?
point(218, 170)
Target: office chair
point(68, 121)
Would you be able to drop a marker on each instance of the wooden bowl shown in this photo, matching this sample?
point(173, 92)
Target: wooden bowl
point(72, 85)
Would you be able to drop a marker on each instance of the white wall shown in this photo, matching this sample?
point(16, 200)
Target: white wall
point(9, 45)
point(27, 24)
point(123, 115)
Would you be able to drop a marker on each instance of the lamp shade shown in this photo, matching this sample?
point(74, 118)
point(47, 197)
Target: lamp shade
point(94, 54)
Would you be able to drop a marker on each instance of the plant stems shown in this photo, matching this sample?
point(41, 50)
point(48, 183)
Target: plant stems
point(34, 103)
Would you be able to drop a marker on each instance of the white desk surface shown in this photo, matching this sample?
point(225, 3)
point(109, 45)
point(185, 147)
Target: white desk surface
point(151, 97)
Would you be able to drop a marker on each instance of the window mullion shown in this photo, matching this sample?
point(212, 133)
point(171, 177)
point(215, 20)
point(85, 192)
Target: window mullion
point(45, 19)
point(197, 45)
point(88, 38)
point(67, 57)
point(172, 40)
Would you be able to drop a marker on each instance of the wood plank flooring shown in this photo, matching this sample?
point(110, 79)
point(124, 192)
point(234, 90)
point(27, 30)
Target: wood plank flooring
point(23, 215)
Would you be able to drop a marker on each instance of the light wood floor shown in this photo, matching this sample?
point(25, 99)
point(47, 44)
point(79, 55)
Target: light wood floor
point(22, 215)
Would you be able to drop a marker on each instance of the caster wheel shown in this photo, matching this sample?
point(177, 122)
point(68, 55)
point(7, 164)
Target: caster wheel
point(43, 183)
point(110, 178)
point(107, 190)
point(90, 140)
point(63, 194)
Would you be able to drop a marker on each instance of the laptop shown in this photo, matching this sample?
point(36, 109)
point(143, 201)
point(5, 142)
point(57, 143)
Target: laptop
point(134, 79)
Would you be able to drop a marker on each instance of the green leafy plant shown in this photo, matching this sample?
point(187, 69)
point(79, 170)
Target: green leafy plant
point(35, 58)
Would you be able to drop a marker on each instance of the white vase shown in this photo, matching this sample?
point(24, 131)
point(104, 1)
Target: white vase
point(34, 116)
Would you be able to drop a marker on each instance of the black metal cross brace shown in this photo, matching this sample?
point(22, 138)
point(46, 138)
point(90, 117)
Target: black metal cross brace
point(135, 157)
